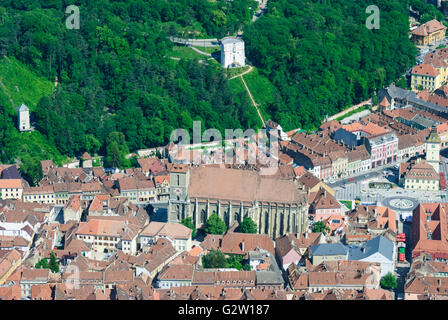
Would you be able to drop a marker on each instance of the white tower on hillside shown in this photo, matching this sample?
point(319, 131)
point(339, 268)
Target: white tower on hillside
point(433, 149)
point(232, 52)
point(24, 118)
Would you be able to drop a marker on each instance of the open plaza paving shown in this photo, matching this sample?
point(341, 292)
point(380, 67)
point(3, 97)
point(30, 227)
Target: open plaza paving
point(397, 198)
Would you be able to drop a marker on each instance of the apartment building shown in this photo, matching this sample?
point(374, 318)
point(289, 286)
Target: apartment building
point(42, 194)
point(11, 189)
point(428, 33)
point(107, 235)
point(178, 234)
point(383, 149)
point(425, 77)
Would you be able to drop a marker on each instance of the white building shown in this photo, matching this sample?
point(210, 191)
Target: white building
point(108, 235)
point(11, 189)
point(24, 118)
point(178, 234)
point(232, 53)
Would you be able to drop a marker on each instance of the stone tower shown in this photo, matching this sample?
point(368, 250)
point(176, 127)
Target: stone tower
point(433, 149)
point(179, 181)
point(232, 52)
point(24, 118)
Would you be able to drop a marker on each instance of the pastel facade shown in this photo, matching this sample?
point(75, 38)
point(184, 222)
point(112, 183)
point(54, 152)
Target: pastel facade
point(383, 149)
point(425, 77)
point(43, 194)
point(428, 33)
point(11, 189)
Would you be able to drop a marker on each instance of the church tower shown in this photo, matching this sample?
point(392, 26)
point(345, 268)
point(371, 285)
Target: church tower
point(433, 149)
point(24, 118)
point(179, 182)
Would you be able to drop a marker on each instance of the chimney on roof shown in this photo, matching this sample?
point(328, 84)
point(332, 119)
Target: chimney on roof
point(242, 245)
point(306, 235)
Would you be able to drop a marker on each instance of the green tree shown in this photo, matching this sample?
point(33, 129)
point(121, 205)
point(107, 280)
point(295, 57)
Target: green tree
point(42, 264)
point(389, 281)
point(247, 226)
point(188, 222)
point(116, 151)
point(54, 265)
point(31, 170)
point(215, 225)
point(320, 226)
point(92, 144)
point(214, 259)
point(402, 83)
point(375, 100)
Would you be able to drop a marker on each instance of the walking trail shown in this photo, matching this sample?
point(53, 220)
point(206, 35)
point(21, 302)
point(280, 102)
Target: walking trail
point(253, 101)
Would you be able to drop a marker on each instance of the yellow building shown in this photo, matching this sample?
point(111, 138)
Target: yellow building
point(11, 189)
point(339, 162)
point(421, 176)
point(425, 77)
point(428, 33)
point(42, 194)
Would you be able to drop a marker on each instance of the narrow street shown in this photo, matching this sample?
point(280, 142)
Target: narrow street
point(402, 269)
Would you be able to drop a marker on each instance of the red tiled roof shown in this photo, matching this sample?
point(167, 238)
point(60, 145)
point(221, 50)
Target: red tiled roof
point(428, 28)
point(425, 69)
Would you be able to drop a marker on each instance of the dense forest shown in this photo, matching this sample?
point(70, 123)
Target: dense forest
point(114, 74)
point(322, 58)
point(118, 90)
point(427, 11)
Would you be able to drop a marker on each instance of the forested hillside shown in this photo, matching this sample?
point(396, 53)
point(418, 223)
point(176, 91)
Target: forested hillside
point(114, 74)
point(322, 58)
point(119, 89)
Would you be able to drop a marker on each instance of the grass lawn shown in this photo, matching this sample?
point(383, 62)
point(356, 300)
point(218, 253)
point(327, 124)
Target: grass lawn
point(18, 85)
point(237, 87)
point(185, 53)
point(210, 50)
point(35, 143)
point(262, 90)
point(236, 71)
